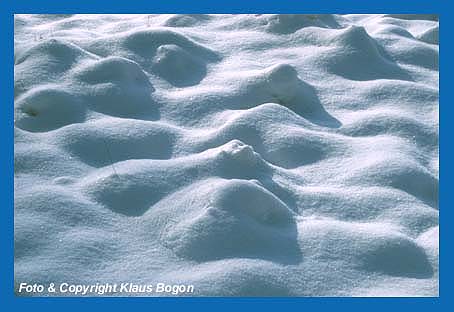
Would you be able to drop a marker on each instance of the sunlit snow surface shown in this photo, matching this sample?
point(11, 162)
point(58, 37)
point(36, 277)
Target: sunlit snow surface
point(248, 155)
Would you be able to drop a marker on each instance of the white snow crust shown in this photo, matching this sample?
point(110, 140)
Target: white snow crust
point(248, 155)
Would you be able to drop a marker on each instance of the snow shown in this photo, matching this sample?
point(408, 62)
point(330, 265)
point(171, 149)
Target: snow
point(248, 155)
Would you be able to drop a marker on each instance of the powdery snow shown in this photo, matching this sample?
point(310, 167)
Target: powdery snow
point(248, 155)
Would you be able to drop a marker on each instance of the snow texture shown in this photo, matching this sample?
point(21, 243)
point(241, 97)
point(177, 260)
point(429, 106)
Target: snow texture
point(248, 155)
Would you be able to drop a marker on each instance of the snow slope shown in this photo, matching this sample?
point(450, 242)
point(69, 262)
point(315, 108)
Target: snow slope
point(248, 155)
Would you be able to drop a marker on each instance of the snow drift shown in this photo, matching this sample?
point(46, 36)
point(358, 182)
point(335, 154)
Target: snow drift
point(248, 155)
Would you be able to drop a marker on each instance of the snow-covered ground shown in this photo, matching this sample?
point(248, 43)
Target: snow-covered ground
point(247, 155)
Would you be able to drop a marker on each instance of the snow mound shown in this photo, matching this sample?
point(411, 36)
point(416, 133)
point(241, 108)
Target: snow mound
point(357, 50)
point(430, 36)
point(288, 23)
point(177, 66)
point(220, 219)
point(46, 108)
point(248, 155)
point(114, 81)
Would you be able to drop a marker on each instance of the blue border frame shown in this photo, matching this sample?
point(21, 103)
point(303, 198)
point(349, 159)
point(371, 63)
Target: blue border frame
point(10, 302)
